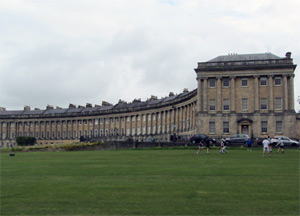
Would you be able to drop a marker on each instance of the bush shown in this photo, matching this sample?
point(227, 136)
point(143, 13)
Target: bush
point(26, 141)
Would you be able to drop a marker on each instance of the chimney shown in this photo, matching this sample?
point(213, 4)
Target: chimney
point(37, 109)
point(49, 107)
point(153, 97)
point(288, 55)
point(104, 103)
point(185, 90)
point(79, 106)
point(2, 109)
point(26, 107)
point(72, 106)
point(57, 107)
point(88, 105)
point(171, 94)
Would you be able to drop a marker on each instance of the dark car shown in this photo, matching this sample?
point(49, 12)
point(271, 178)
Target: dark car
point(196, 138)
point(237, 139)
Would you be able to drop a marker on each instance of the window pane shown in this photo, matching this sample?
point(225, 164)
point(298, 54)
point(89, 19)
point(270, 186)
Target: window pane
point(244, 82)
point(278, 126)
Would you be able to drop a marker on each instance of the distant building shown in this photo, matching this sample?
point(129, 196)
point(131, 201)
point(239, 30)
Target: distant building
point(251, 94)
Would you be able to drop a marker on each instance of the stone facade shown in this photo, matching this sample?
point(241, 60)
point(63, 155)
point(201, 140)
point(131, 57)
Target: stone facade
point(251, 94)
point(159, 119)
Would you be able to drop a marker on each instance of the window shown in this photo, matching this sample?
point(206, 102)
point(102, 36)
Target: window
point(101, 121)
point(225, 127)
point(212, 83)
point(226, 82)
point(278, 126)
point(244, 103)
point(212, 104)
point(225, 104)
point(74, 134)
point(263, 81)
point(264, 126)
point(277, 81)
point(211, 127)
point(58, 134)
point(244, 82)
point(263, 103)
point(278, 103)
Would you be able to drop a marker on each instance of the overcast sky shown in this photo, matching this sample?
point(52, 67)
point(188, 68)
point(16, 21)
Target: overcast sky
point(59, 52)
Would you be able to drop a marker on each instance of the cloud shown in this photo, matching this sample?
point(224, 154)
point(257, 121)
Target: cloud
point(61, 52)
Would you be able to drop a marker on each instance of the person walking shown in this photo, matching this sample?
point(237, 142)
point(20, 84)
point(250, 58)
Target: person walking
point(266, 146)
point(223, 146)
point(200, 147)
point(249, 144)
point(280, 145)
point(207, 144)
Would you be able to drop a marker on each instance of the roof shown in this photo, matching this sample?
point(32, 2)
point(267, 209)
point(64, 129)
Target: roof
point(244, 57)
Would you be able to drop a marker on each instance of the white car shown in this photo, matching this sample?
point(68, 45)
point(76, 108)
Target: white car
point(286, 141)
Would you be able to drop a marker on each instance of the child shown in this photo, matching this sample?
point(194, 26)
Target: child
point(200, 147)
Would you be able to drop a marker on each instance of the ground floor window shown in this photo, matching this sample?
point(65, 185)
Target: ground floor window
point(225, 127)
point(264, 126)
point(212, 127)
point(278, 126)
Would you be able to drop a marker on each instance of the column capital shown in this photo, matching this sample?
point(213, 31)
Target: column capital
point(270, 76)
point(256, 76)
point(218, 77)
point(232, 77)
point(292, 75)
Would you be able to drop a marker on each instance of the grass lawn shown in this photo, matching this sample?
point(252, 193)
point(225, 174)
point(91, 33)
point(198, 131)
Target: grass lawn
point(150, 182)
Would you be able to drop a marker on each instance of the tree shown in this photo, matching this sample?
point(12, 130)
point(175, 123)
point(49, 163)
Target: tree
point(26, 141)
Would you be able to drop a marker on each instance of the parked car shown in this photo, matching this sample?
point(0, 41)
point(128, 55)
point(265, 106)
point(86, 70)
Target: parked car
point(237, 139)
point(196, 138)
point(287, 141)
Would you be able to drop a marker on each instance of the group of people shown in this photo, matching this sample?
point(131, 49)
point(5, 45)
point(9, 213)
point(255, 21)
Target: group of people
point(208, 141)
point(267, 148)
point(266, 145)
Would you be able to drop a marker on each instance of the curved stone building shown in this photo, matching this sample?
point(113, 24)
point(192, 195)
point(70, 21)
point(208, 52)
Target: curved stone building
point(251, 94)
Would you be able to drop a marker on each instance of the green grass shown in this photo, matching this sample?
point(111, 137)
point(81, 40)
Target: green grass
point(150, 182)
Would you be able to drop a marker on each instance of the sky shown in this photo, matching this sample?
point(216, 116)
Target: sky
point(57, 52)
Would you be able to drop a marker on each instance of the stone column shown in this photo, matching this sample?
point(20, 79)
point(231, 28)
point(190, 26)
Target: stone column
point(291, 93)
point(205, 95)
point(271, 100)
point(285, 93)
point(199, 95)
point(256, 94)
point(219, 94)
point(232, 94)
